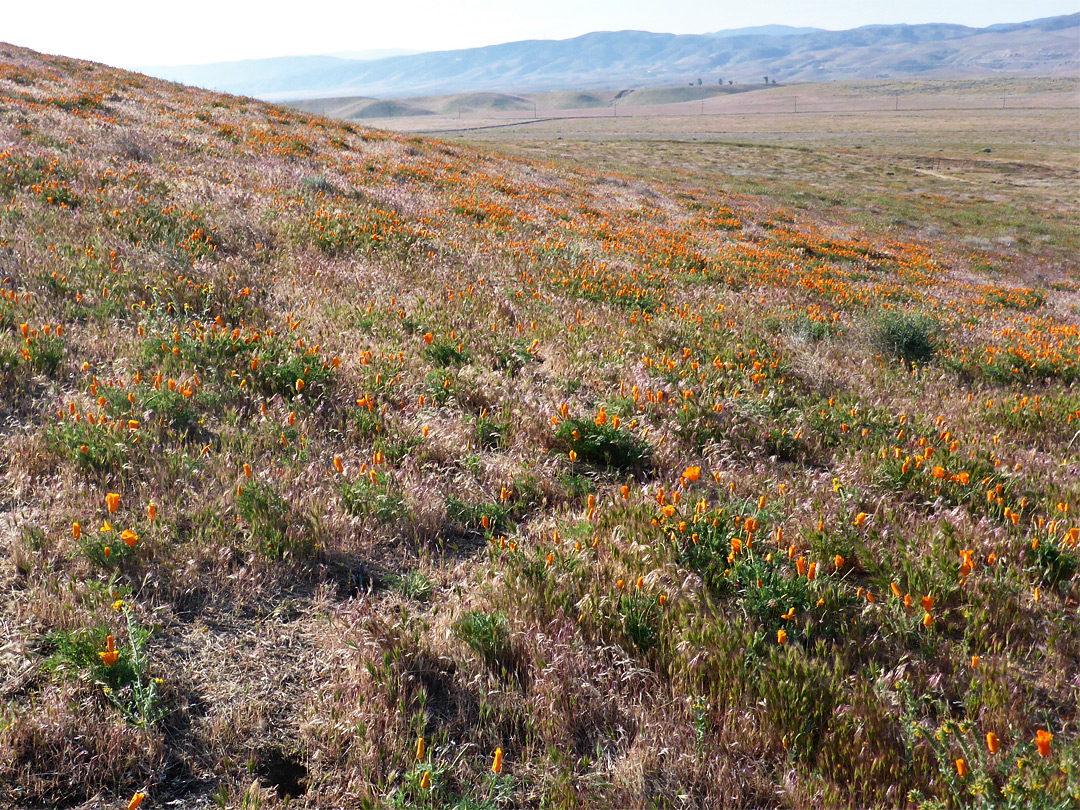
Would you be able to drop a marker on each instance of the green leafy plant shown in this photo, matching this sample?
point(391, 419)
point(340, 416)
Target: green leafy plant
point(126, 682)
point(601, 445)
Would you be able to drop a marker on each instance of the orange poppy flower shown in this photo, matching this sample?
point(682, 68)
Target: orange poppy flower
point(1042, 741)
point(108, 658)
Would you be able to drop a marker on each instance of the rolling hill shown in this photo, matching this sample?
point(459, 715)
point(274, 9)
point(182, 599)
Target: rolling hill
point(639, 58)
point(348, 469)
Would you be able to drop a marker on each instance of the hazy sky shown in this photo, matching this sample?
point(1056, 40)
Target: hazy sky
point(128, 33)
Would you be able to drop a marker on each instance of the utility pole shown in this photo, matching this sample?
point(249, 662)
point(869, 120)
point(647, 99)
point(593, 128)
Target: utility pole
point(703, 106)
point(796, 103)
point(534, 109)
point(615, 108)
point(1003, 99)
point(896, 104)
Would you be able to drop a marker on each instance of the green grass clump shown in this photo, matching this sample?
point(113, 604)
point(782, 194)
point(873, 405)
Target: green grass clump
point(488, 635)
point(276, 527)
point(910, 336)
point(378, 499)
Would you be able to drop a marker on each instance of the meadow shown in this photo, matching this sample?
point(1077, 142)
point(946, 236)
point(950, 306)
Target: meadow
point(588, 466)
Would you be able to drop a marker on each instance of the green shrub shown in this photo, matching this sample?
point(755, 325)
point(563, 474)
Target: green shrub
point(602, 445)
point(443, 353)
point(910, 336)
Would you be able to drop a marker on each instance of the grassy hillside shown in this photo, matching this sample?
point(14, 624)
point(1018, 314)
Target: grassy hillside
point(318, 441)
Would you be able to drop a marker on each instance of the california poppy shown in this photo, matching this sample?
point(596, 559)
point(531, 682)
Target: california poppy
point(108, 658)
point(1042, 741)
point(496, 764)
point(112, 500)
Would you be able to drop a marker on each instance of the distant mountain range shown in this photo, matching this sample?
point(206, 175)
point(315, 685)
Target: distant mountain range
point(608, 59)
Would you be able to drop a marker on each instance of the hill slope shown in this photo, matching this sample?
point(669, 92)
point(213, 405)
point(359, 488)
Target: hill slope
point(632, 58)
point(318, 440)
